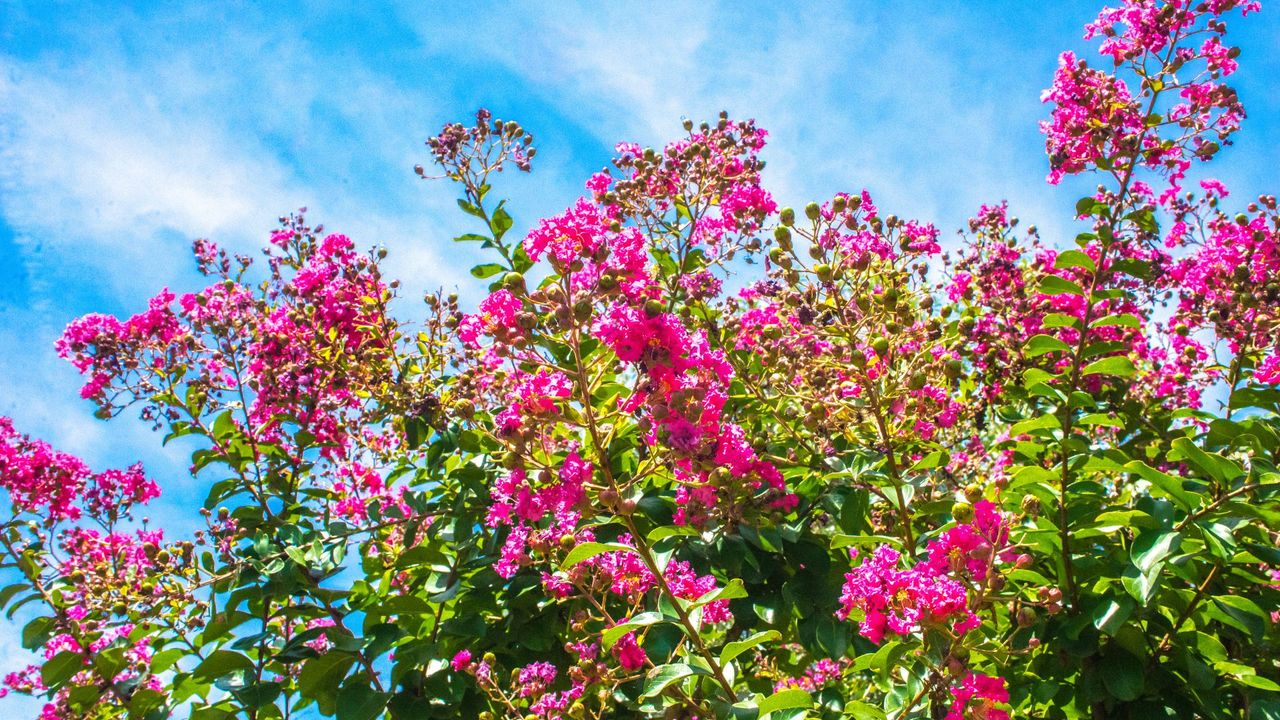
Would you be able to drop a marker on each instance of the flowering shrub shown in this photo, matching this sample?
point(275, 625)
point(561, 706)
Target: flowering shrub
point(697, 456)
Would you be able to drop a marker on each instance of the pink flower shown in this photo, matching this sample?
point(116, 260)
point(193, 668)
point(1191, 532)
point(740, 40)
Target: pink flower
point(461, 660)
point(535, 678)
point(976, 698)
point(902, 602)
point(629, 653)
point(579, 231)
point(1093, 112)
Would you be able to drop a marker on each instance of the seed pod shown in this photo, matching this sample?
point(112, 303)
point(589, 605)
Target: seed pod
point(783, 238)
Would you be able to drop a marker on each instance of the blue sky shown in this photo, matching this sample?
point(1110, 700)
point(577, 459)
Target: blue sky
point(127, 129)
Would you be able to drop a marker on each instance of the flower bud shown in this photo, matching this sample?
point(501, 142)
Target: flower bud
point(812, 211)
point(962, 512)
point(609, 497)
point(1026, 616)
point(1031, 505)
point(787, 217)
point(783, 237)
point(953, 368)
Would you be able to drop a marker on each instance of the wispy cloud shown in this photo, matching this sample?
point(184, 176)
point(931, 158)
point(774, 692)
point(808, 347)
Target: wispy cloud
point(854, 96)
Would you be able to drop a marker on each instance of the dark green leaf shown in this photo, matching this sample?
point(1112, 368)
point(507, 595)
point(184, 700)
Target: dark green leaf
point(358, 701)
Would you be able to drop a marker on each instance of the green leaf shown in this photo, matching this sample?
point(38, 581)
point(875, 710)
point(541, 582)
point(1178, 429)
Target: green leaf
point(1264, 710)
point(1074, 259)
point(859, 710)
point(501, 222)
point(1101, 419)
point(1142, 585)
point(470, 209)
point(1122, 320)
point(486, 270)
point(1112, 613)
point(1154, 546)
point(1145, 220)
point(663, 532)
point(1057, 320)
point(1122, 674)
point(1088, 206)
point(588, 550)
point(842, 541)
point(645, 619)
point(358, 701)
point(1212, 464)
point(1259, 682)
point(1041, 344)
point(1054, 285)
point(1246, 614)
point(1047, 421)
point(221, 662)
point(61, 667)
point(321, 676)
point(932, 460)
point(662, 676)
point(733, 590)
point(1117, 365)
point(7, 594)
point(472, 237)
point(784, 700)
point(1169, 486)
point(736, 648)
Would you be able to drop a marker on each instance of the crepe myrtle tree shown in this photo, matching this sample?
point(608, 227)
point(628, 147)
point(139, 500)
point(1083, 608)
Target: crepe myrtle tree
point(876, 480)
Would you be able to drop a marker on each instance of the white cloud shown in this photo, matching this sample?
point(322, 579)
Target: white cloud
point(905, 103)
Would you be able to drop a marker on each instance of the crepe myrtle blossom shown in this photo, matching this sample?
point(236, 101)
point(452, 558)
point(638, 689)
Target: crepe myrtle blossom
point(903, 602)
point(977, 698)
point(624, 481)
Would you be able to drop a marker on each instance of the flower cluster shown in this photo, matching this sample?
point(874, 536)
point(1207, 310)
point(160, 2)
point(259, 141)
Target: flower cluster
point(707, 185)
point(977, 697)
point(903, 601)
point(623, 484)
point(292, 363)
point(55, 486)
point(1228, 283)
point(1098, 123)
